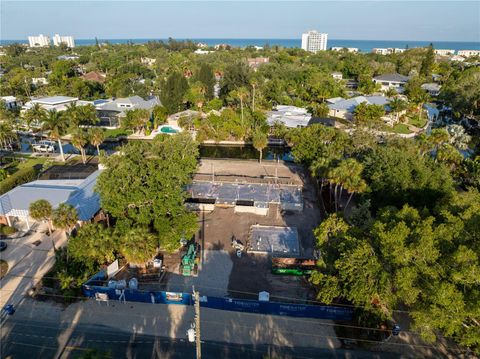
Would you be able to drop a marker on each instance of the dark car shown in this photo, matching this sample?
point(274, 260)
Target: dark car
point(3, 246)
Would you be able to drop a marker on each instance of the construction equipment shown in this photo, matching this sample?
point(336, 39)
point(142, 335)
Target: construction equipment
point(293, 266)
point(189, 264)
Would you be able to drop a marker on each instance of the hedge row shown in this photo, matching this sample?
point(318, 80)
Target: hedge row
point(18, 178)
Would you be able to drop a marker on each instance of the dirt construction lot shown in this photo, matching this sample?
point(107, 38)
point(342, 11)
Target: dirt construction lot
point(250, 274)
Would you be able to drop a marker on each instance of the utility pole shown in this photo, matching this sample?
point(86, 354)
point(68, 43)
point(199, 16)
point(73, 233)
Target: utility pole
point(196, 297)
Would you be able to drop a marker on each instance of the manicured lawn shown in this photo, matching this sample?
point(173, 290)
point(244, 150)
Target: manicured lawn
point(401, 128)
point(114, 133)
point(417, 121)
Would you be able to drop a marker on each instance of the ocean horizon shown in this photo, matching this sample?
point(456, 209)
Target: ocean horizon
point(362, 45)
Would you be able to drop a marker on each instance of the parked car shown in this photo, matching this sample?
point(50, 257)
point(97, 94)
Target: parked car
point(44, 146)
point(3, 246)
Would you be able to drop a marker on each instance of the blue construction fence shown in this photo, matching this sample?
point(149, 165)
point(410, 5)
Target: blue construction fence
point(94, 288)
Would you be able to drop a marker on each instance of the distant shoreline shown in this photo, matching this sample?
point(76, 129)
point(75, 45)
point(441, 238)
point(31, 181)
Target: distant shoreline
point(362, 45)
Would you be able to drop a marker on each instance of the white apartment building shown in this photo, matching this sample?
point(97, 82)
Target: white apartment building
point(39, 41)
point(349, 49)
point(444, 52)
point(314, 41)
point(67, 40)
point(387, 51)
point(468, 53)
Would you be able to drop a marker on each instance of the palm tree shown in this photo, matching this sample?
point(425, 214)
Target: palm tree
point(347, 175)
point(65, 217)
point(36, 114)
point(41, 210)
point(88, 115)
point(354, 183)
point(7, 135)
point(390, 92)
point(79, 141)
point(73, 114)
point(260, 141)
point(396, 106)
point(97, 136)
point(56, 123)
point(241, 93)
point(138, 245)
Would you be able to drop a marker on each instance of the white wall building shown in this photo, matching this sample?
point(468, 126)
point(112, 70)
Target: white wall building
point(468, 53)
point(387, 51)
point(67, 40)
point(39, 41)
point(57, 103)
point(290, 116)
point(11, 102)
point(314, 41)
point(444, 52)
point(348, 49)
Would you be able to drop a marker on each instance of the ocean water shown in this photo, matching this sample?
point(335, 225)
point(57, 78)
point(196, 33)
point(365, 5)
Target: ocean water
point(362, 45)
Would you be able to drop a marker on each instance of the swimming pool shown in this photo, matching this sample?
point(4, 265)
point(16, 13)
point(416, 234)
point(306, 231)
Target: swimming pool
point(168, 129)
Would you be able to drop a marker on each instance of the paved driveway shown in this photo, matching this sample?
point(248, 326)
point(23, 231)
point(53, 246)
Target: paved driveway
point(27, 261)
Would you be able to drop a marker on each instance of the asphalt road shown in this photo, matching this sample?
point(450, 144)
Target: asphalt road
point(35, 339)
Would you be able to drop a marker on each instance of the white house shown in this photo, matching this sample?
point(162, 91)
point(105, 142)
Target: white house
point(290, 116)
point(353, 50)
point(468, 53)
point(110, 112)
point(67, 40)
point(432, 88)
point(201, 52)
point(337, 75)
point(314, 41)
point(11, 102)
point(148, 61)
point(387, 51)
point(388, 81)
point(39, 41)
point(344, 108)
point(444, 52)
point(57, 103)
point(39, 81)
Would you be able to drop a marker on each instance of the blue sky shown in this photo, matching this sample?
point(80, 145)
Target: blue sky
point(368, 20)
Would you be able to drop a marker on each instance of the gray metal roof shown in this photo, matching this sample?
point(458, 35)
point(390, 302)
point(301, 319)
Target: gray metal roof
point(351, 103)
point(54, 100)
point(134, 102)
point(392, 78)
point(78, 193)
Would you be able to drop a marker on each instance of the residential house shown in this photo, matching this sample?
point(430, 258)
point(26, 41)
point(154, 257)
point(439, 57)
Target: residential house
point(444, 52)
point(11, 102)
point(389, 81)
point(337, 75)
point(95, 76)
point(353, 50)
point(344, 108)
point(387, 51)
point(148, 61)
point(468, 53)
point(290, 116)
point(79, 193)
point(39, 81)
point(57, 103)
point(68, 57)
point(201, 52)
point(110, 112)
point(256, 62)
point(432, 88)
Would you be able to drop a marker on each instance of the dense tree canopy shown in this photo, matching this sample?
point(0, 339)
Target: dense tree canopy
point(143, 187)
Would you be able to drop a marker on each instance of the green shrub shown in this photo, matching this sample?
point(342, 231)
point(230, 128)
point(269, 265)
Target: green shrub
point(18, 178)
point(7, 230)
